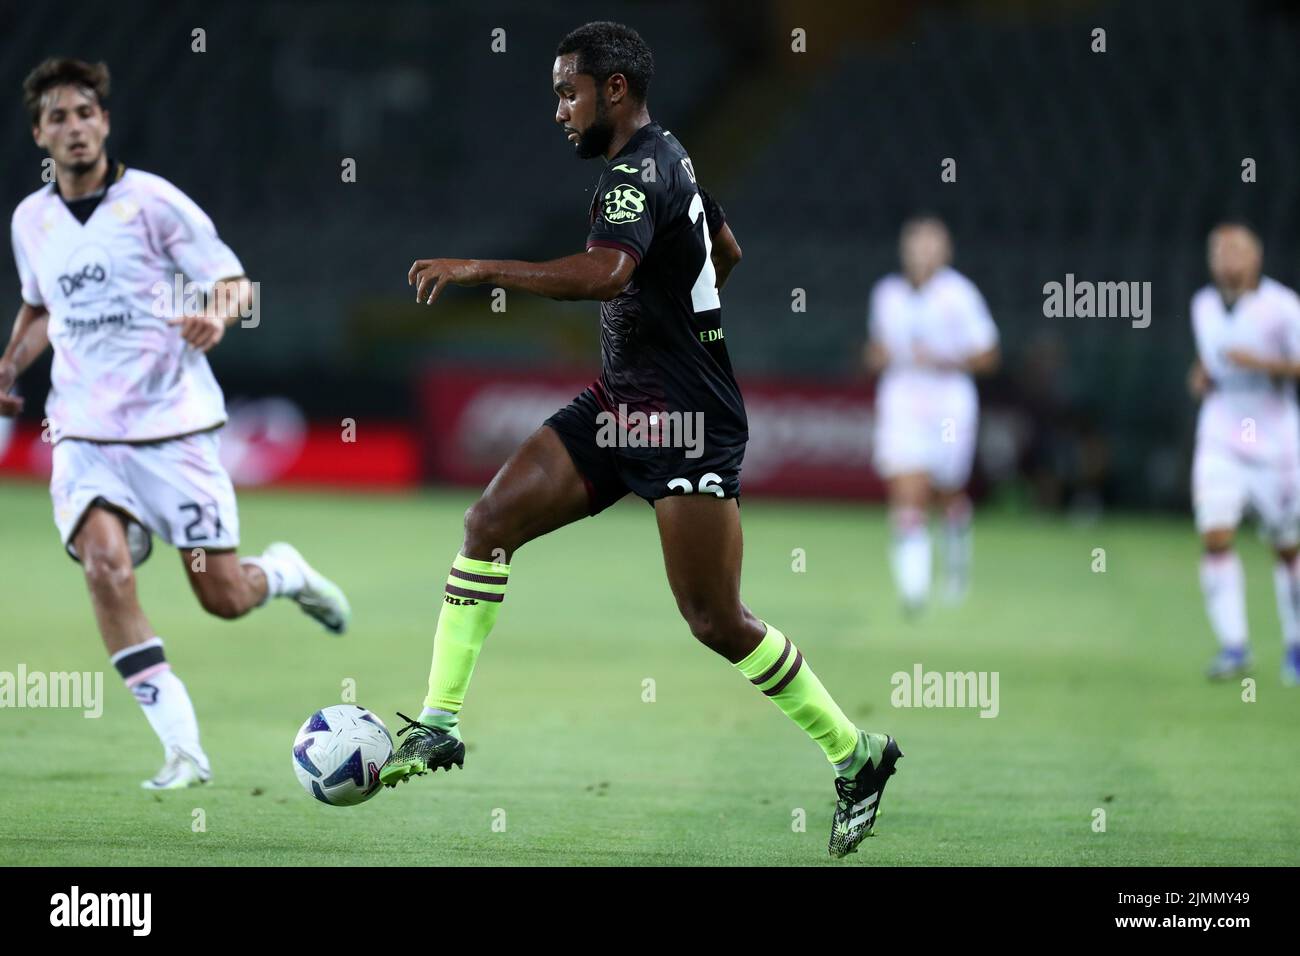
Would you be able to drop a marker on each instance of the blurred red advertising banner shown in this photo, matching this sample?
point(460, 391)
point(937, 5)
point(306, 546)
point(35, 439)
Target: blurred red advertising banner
point(22, 453)
point(267, 441)
point(807, 439)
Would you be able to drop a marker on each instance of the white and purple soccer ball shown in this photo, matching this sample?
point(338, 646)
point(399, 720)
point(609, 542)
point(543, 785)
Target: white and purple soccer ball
point(338, 752)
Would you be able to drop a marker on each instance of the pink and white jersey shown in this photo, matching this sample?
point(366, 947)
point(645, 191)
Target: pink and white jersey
point(945, 319)
point(1247, 412)
point(121, 373)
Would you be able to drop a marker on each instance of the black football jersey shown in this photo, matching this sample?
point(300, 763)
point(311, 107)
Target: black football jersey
point(661, 338)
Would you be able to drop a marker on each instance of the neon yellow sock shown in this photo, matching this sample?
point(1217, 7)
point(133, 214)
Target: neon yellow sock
point(475, 590)
point(777, 668)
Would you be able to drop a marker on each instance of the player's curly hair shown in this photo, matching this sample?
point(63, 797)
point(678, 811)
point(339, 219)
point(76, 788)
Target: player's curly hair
point(605, 48)
point(64, 71)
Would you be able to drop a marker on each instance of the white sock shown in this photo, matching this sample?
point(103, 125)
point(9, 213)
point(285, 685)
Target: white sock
point(161, 695)
point(283, 578)
point(1224, 584)
point(1286, 584)
point(910, 555)
point(958, 544)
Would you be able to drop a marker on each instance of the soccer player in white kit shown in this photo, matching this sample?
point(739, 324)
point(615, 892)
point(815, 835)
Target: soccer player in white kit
point(134, 408)
point(1247, 329)
point(930, 332)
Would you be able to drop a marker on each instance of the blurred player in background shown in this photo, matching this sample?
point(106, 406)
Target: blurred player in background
point(656, 254)
point(1247, 329)
point(133, 407)
point(929, 332)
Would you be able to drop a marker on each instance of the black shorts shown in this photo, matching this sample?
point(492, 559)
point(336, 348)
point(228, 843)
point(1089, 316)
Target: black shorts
point(610, 468)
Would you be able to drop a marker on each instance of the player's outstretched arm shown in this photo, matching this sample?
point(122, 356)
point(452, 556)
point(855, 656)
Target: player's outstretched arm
point(984, 363)
point(1276, 367)
point(725, 249)
point(230, 300)
point(1287, 366)
point(28, 340)
point(875, 357)
point(726, 253)
point(600, 273)
point(981, 363)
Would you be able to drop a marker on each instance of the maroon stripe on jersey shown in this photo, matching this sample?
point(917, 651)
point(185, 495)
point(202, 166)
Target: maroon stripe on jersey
point(611, 244)
point(794, 669)
point(602, 397)
point(768, 674)
point(479, 578)
point(476, 595)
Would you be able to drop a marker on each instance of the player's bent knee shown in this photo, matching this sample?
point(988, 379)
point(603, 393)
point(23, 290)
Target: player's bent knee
point(1217, 541)
point(487, 530)
point(703, 628)
point(223, 603)
point(719, 631)
point(108, 572)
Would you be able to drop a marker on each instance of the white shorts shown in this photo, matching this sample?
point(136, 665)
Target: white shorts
point(176, 489)
point(943, 448)
point(1225, 485)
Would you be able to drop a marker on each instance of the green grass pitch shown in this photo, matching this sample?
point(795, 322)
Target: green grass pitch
point(1101, 702)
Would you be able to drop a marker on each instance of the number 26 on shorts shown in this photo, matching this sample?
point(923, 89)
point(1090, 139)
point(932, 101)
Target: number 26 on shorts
point(709, 484)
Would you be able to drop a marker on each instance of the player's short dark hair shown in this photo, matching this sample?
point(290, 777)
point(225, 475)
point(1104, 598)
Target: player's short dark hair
point(923, 219)
point(1237, 223)
point(64, 71)
point(605, 48)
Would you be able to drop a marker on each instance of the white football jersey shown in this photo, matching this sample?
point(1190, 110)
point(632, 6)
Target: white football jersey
point(121, 373)
point(946, 319)
point(1246, 411)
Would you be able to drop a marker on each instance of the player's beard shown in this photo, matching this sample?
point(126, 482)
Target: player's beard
point(595, 139)
point(82, 166)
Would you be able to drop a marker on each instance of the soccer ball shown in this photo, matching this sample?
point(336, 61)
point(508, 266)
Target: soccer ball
point(338, 752)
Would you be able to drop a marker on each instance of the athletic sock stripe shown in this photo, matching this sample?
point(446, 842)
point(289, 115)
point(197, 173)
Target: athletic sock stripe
point(134, 649)
point(128, 665)
point(772, 671)
point(148, 672)
point(476, 595)
point(479, 578)
point(789, 675)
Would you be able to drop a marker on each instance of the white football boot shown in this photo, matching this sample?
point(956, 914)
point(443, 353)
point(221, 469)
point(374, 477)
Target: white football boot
point(320, 597)
point(180, 771)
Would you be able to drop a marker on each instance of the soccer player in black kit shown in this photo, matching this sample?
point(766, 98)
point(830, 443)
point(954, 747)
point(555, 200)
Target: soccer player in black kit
point(657, 253)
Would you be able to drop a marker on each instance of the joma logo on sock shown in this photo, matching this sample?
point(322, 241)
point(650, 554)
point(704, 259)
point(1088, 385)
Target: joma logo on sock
point(102, 909)
point(75, 689)
point(459, 602)
point(922, 688)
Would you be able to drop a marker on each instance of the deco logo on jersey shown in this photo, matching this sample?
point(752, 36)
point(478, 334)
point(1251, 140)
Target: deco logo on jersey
point(87, 274)
point(624, 203)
